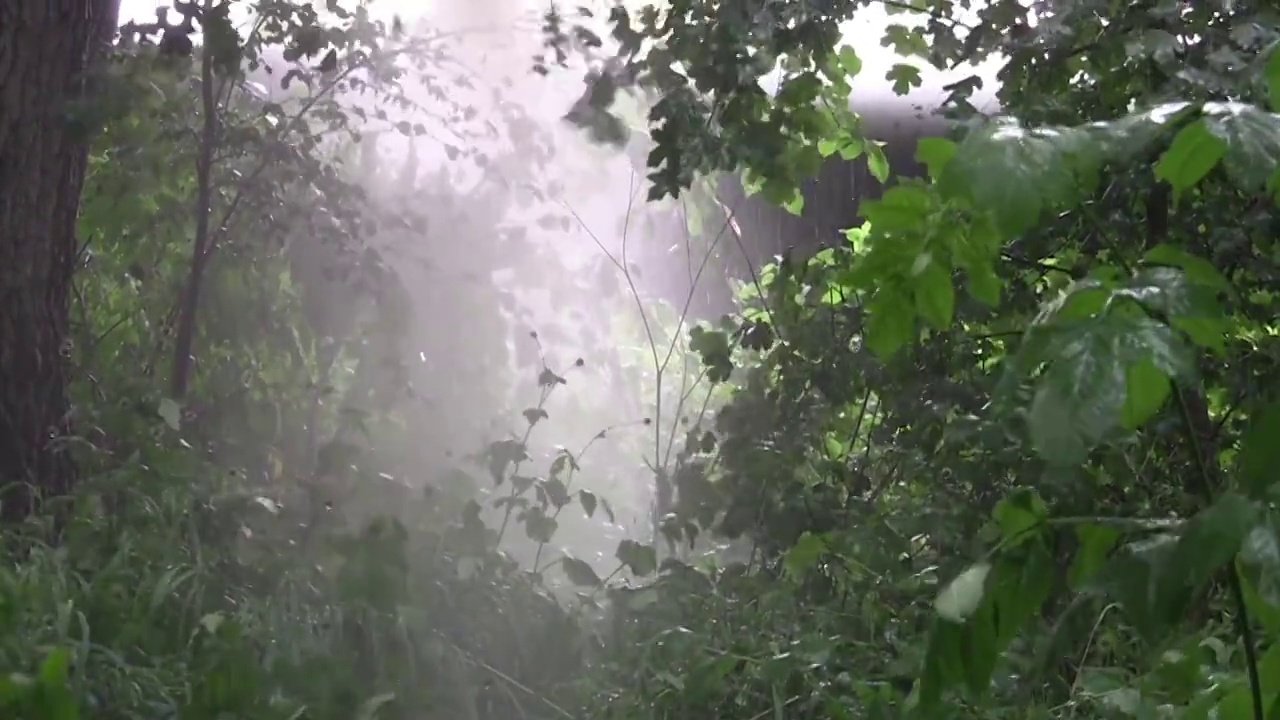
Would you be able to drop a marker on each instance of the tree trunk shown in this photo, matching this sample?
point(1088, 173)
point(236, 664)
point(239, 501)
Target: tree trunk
point(46, 47)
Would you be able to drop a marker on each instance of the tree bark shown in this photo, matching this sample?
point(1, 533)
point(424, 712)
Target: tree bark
point(46, 49)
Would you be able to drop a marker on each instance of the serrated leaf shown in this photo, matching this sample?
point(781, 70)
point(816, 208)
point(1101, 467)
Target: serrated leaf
point(580, 573)
point(1193, 153)
point(904, 77)
point(962, 596)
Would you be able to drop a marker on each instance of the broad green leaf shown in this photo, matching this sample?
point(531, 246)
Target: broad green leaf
point(1252, 138)
point(1018, 174)
point(935, 295)
point(1192, 154)
point(1214, 536)
point(1260, 572)
point(1081, 398)
point(1238, 702)
point(935, 153)
point(1146, 388)
point(1078, 399)
point(1095, 543)
point(1133, 578)
point(946, 662)
point(579, 572)
point(900, 208)
point(802, 556)
point(963, 595)
point(1017, 515)
point(640, 559)
point(1258, 463)
point(891, 323)
point(1197, 270)
point(1004, 598)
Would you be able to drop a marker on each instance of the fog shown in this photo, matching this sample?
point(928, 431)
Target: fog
point(566, 217)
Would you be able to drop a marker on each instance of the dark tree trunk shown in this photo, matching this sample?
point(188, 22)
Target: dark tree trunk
point(46, 47)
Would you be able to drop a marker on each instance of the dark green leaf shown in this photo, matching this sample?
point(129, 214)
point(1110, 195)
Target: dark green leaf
point(891, 323)
point(580, 573)
point(1258, 464)
point(640, 559)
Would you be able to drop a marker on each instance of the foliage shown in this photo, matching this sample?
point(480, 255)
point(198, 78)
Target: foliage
point(1020, 411)
point(1006, 450)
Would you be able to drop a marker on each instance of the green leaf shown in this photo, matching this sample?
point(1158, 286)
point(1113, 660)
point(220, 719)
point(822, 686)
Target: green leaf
point(849, 61)
point(1213, 538)
point(1082, 396)
point(1192, 154)
point(579, 572)
point(1095, 543)
point(1018, 174)
point(1017, 515)
point(1008, 596)
point(877, 161)
point(962, 596)
point(1260, 572)
point(639, 559)
point(1252, 138)
point(1258, 462)
point(891, 323)
point(1146, 388)
point(900, 208)
point(904, 77)
point(1133, 579)
point(804, 555)
point(1196, 269)
point(935, 295)
point(935, 153)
